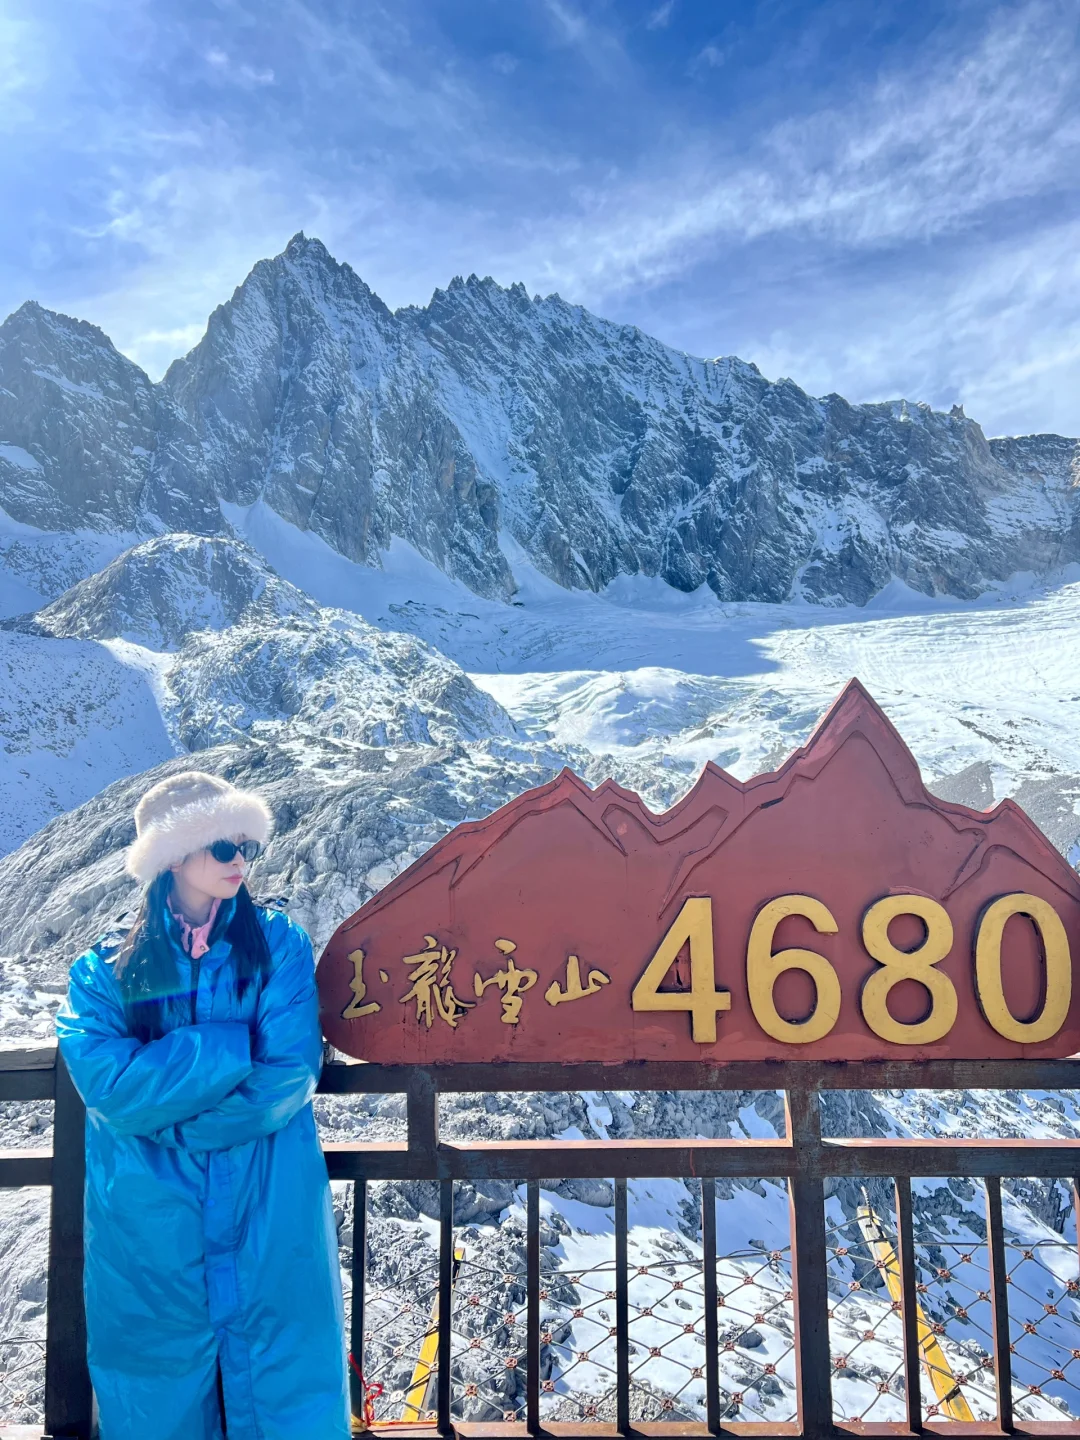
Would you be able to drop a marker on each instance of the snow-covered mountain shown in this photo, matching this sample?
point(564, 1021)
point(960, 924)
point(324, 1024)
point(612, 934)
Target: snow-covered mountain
point(417, 469)
point(183, 643)
point(390, 570)
point(489, 422)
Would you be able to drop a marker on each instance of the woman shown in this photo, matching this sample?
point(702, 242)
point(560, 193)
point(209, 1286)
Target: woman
point(213, 1294)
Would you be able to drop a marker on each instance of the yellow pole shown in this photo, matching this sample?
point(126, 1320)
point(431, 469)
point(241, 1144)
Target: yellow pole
point(946, 1386)
point(415, 1407)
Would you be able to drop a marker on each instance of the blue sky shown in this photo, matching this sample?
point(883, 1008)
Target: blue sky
point(875, 198)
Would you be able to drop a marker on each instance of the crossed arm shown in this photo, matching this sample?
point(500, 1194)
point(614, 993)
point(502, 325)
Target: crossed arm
point(200, 1087)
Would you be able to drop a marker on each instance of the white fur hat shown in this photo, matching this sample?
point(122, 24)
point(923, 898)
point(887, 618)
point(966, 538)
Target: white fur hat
point(188, 812)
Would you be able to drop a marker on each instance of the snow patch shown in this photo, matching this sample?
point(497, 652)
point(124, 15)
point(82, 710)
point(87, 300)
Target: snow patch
point(17, 456)
point(309, 563)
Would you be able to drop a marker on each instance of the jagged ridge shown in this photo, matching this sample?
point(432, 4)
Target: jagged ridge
point(487, 421)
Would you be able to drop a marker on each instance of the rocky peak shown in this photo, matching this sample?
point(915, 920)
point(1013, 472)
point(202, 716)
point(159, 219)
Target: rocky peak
point(159, 592)
point(300, 246)
point(307, 262)
point(51, 338)
point(83, 414)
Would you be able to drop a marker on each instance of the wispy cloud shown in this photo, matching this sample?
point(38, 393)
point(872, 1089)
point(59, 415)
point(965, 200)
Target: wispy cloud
point(242, 73)
point(912, 157)
point(789, 227)
point(709, 56)
point(569, 22)
point(21, 66)
point(598, 44)
point(1004, 341)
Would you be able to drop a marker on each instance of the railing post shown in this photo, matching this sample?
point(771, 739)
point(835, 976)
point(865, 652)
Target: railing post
point(712, 1328)
point(422, 1121)
point(909, 1305)
point(532, 1307)
point(622, 1312)
point(446, 1299)
point(808, 1265)
point(358, 1269)
point(995, 1236)
point(68, 1397)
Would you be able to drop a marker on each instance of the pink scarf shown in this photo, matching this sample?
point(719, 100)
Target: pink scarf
point(195, 938)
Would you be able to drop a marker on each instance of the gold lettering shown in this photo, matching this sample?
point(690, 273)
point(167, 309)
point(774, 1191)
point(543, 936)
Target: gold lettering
point(511, 981)
point(1055, 944)
point(763, 969)
point(431, 987)
point(356, 1010)
point(694, 926)
point(917, 964)
point(575, 990)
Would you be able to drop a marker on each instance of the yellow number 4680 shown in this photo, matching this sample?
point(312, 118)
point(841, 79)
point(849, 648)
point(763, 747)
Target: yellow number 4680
point(693, 927)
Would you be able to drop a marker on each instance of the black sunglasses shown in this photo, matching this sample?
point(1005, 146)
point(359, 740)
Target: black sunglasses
point(224, 850)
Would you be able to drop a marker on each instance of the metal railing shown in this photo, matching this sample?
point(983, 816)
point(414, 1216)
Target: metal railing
point(788, 1286)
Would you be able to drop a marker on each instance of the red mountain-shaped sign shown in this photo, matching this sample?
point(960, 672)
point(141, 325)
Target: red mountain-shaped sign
point(833, 909)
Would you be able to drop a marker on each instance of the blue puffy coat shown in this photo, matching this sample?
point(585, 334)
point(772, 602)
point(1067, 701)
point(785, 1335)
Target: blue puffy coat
point(209, 1230)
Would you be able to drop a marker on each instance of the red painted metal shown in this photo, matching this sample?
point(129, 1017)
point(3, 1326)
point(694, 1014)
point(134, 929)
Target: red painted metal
point(565, 870)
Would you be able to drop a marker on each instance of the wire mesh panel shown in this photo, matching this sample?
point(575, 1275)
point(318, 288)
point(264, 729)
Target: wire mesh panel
point(401, 1328)
point(24, 1220)
point(865, 1327)
point(754, 1300)
point(954, 1292)
point(400, 1275)
point(577, 1299)
point(1044, 1298)
point(22, 1379)
point(629, 1299)
point(666, 1301)
point(488, 1320)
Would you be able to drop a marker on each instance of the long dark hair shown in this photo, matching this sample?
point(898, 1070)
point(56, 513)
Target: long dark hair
point(147, 971)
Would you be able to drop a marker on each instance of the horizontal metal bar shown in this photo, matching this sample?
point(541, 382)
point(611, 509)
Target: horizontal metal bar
point(544, 1159)
point(750, 1159)
point(900, 1147)
point(35, 1057)
point(956, 1429)
point(25, 1167)
point(28, 1074)
point(357, 1161)
point(22, 1085)
point(690, 1430)
point(581, 1430)
point(968, 1158)
point(359, 1077)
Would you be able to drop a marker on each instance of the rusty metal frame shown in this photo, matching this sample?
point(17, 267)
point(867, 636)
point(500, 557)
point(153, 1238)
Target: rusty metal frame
point(803, 1157)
